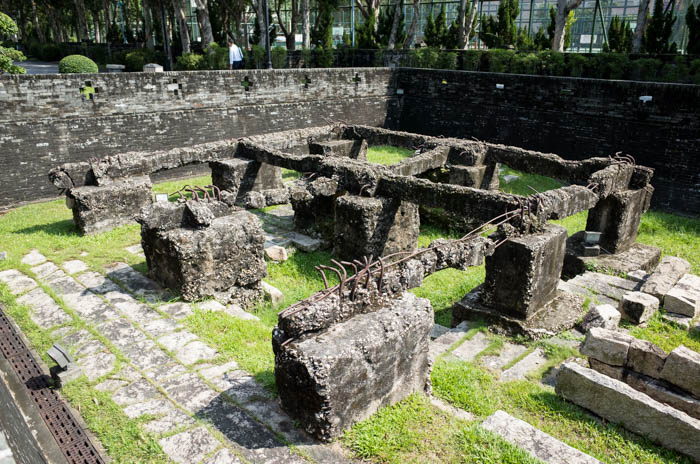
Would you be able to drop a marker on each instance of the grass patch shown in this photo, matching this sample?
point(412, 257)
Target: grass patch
point(526, 184)
point(289, 175)
point(444, 288)
point(387, 155)
point(666, 336)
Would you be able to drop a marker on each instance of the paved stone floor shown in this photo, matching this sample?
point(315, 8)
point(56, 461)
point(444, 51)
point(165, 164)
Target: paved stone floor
point(39, 67)
point(204, 411)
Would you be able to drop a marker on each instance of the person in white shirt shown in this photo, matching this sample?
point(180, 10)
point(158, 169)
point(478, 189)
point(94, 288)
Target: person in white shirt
point(235, 57)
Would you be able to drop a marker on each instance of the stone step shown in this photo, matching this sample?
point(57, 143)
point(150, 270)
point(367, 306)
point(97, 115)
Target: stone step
point(468, 350)
point(529, 363)
point(539, 444)
point(443, 342)
point(603, 285)
point(508, 353)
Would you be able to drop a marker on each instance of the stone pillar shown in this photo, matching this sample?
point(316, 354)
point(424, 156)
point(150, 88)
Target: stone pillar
point(481, 177)
point(523, 273)
point(355, 149)
point(617, 217)
point(242, 177)
point(374, 226)
point(314, 205)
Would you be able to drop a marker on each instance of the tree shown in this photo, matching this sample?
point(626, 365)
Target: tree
point(659, 30)
point(466, 23)
point(640, 30)
point(259, 39)
point(205, 23)
point(436, 30)
point(9, 28)
point(500, 32)
point(551, 28)
point(542, 41)
point(322, 33)
point(619, 36)
point(179, 8)
point(564, 7)
point(366, 34)
point(411, 34)
point(289, 34)
point(397, 34)
point(692, 20)
point(305, 24)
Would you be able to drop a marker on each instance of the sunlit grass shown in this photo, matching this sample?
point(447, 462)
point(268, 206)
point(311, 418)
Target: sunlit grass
point(387, 155)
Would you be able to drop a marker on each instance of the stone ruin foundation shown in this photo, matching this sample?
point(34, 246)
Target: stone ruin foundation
point(204, 249)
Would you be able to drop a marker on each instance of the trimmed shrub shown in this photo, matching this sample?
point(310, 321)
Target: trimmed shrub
point(257, 57)
point(694, 70)
point(190, 62)
point(34, 49)
point(217, 56)
point(644, 69)
point(676, 71)
point(551, 63)
point(447, 60)
point(50, 52)
point(134, 61)
point(524, 63)
point(609, 66)
point(576, 65)
point(76, 64)
point(306, 57)
point(471, 59)
point(324, 57)
point(278, 55)
point(497, 60)
point(428, 57)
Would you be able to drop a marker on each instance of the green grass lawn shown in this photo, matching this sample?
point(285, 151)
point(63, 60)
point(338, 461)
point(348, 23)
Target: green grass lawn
point(413, 430)
point(387, 155)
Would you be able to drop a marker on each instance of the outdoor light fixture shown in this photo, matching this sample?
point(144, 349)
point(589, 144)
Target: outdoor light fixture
point(65, 369)
point(399, 91)
point(161, 197)
point(60, 356)
point(645, 98)
point(500, 86)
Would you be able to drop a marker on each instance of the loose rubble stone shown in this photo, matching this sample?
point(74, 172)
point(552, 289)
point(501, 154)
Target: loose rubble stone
point(74, 266)
point(679, 320)
point(604, 316)
point(638, 307)
point(276, 253)
point(682, 368)
point(16, 281)
point(190, 446)
point(539, 444)
point(638, 275)
point(304, 242)
point(468, 350)
point(33, 258)
point(272, 294)
point(619, 403)
point(684, 297)
point(528, 364)
point(665, 276)
point(607, 346)
point(646, 358)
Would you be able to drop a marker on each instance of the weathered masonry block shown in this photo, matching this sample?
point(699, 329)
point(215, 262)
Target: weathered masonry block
point(97, 209)
point(205, 249)
point(254, 184)
point(329, 380)
point(374, 226)
point(523, 273)
point(618, 216)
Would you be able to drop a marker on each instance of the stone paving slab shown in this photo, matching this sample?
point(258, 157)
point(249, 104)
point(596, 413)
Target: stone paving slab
point(16, 281)
point(529, 363)
point(189, 447)
point(90, 307)
point(171, 421)
point(162, 373)
point(146, 355)
point(97, 283)
point(176, 340)
point(468, 350)
point(91, 347)
point(65, 285)
point(194, 352)
point(211, 305)
point(177, 310)
point(159, 327)
point(438, 330)
point(45, 312)
point(33, 258)
point(110, 385)
point(448, 408)
point(74, 266)
point(97, 365)
point(223, 456)
point(135, 249)
point(136, 282)
point(154, 407)
point(257, 442)
point(190, 392)
point(121, 333)
point(242, 387)
point(43, 271)
point(508, 353)
point(537, 443)
point(76, 339)
point(445, 341)
point(236, 311)
point(132, 308)
point(136, 392)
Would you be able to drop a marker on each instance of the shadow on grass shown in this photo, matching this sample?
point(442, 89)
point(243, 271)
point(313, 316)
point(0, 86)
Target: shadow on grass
point(61, 228)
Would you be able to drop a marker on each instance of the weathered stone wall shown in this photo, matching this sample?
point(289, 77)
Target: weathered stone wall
point(574, 118)
point(46, 121)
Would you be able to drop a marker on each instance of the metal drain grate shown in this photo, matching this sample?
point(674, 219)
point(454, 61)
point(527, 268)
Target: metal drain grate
point(71, 438)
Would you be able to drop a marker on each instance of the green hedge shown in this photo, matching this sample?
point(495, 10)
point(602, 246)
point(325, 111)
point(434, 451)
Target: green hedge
point(77, 64)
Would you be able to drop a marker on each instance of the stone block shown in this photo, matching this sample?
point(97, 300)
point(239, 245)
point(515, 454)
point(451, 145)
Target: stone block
point(523, 273)
point(638, 275)
point(617, 217)
point(241, 176)
point(646, 358)
point(592, 250)
point(276, 253)
point(684, 297)
point(374, 226)
point(607, 346)
point(272, 294)
point(99, 209)
point(314, 205)
point(152, 68)
point(331, 379)
point(604, 316)
point(637, 257)
point(224, 260)
point(638, 307)
point(682, 369)
point(619, 403)
point(538, 444)
point(356, 149)
point(665, 276)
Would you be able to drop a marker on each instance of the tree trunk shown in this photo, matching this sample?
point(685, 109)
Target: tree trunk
point(260, 17)
point(96, 25)
point(50, 14)
point(35, 21)
point(642, 20)
point(182, 25)
point(398, 13)
point(203, 14)
point(147, 24)
point(411, 34)
point(305, 24)
point(469, 28)
point(563, 9)
point(81, 26)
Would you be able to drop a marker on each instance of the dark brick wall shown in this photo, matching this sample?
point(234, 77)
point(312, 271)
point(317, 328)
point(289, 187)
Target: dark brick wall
point(47, 122)
point(574, 118)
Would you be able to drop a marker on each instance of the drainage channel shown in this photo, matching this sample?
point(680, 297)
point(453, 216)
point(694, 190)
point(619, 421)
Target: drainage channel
point(70, 436)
